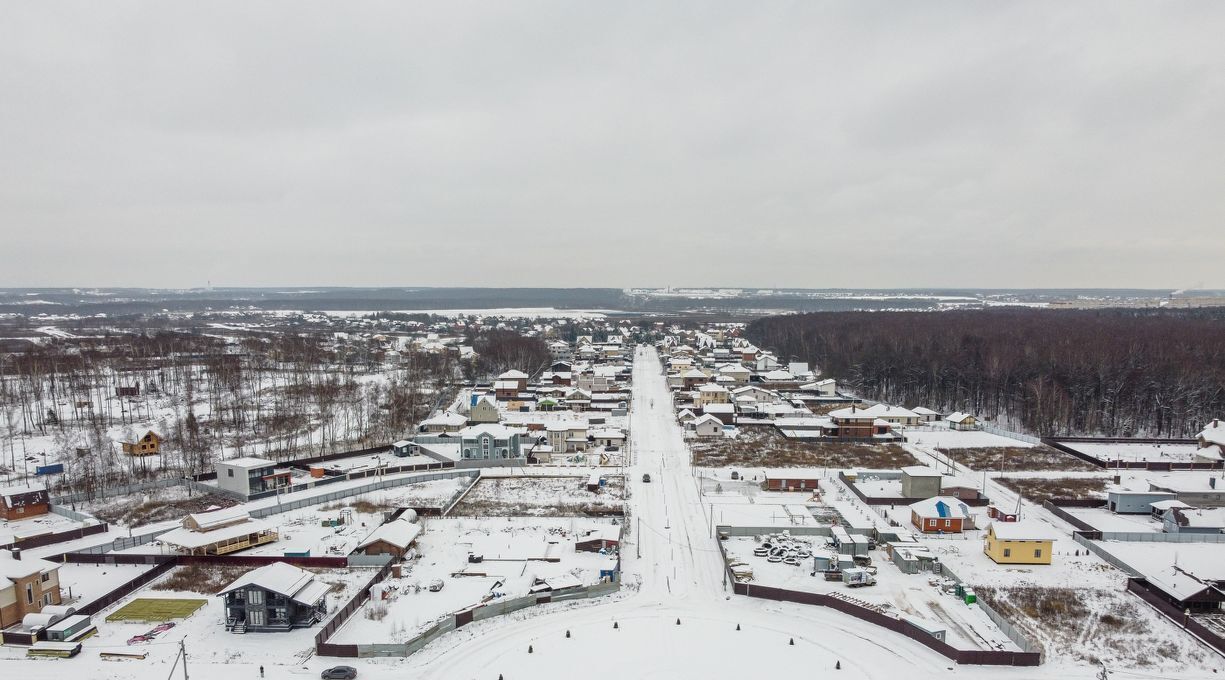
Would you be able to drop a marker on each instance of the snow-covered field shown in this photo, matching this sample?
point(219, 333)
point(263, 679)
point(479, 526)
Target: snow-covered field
point(1154, 453)
point(543, 496)
point(944, 438)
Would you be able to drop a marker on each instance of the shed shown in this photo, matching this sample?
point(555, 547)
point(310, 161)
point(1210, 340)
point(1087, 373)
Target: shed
point(1135, 502)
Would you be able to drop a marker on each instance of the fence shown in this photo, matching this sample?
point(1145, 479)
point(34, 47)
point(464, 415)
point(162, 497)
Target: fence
point(961, 656)
point(1067, 516)
point(459, 496)
point(284, 506)
point(980, 502)
point(1014, 633)
point(116, 490)
point(1085, 539)
point(127, 588)
point(1146, 592)
point(1057, 443)
point(56, 537)
point(322, 648)
point(999, 431)
point(482, 612)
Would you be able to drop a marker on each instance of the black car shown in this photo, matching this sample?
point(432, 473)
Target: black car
point(646, 478)
point(339, 673)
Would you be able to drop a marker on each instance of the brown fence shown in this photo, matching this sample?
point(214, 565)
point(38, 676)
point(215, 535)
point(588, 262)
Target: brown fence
point(980, 502)
point(1151, 595)
point(961, 656)
point(1067, 516)
point(322, 647)
point(56, 537)
point(127, 588)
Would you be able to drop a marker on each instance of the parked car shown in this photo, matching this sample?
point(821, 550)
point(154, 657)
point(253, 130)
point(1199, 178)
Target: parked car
point(436, 585)
point(339, 673)
point(646, 478)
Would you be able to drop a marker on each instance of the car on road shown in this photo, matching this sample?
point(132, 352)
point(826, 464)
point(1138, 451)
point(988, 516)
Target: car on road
point(646, 479)
point(339, 673)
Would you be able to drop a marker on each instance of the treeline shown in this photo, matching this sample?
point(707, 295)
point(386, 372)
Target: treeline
point(501, 350)
point(1109, 372)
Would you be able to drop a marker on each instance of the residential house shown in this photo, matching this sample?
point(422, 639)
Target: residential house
point(855, 423)
point(927, 415)
point(941, 514)
point(1180, 520)
point(148, 445)
point(248, 476)
point(567, 437)
point(27, 584)
point(1019, 543)
point(447, 421)
point(693, 377)
point(1125, 502)
point(1211, 443)
point(961, 421)
point(20, 502)
point(608, 437)
point(490, 442)
point(708, 426)
point(738, 373)
point(519, 378)
point(391, 538)
point(275, 597)
point(485, 410)
point(712, 394)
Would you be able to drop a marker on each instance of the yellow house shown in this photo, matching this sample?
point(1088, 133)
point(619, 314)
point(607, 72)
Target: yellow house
point(148, 445)
point(1019, 543)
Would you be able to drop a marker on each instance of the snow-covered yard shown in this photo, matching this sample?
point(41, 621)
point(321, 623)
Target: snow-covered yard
point(895, 593)
point(1169, 452)
point(515, 552)
point(544, 496)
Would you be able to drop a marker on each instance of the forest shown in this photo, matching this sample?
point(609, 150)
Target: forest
point(1115, 372)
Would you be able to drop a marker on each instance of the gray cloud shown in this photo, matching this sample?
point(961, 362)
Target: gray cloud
point(589, 144)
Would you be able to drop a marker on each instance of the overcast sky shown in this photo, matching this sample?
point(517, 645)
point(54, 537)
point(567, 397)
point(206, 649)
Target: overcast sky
point(799, 144)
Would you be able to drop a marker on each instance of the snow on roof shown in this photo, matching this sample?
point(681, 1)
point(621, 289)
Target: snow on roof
point(505, 385)
point(1214, 433)
point(685, 414)
point(284, 579)
point(445, 418)
point(400, 533)
point(513, 375)
point(14, 569)
point(733, 368)
point(608, 433)
point(958, 417)
point(607, 532)
point(1166, 505)
point(1210, 452)
point(1023, 531)
point(16, 490)
point(495, 430)
point(712, 388)
point(186, 538)
point(214, 518)
point(402, 443)
point(1200, 518)
point(944, 507)
point(852, 412)
point(694, 373)
point(247, 462)
point(924, 411)
point(920, 471)
point(779, 376)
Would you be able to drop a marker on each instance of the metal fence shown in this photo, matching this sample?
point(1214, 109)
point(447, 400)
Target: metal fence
point(1110, 559)
point(1028, 438)
point(383, 483)
point(115, 490)
point(482, 612)
point(1014, 633)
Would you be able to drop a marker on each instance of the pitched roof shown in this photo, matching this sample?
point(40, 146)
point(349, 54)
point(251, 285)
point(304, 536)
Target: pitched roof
point(944, 507)
point(1023, 531)
point(400, 533)
point(295, 583)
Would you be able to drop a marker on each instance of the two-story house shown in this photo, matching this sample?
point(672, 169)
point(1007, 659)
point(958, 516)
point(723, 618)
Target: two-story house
point(275, 597)
point(27, 584)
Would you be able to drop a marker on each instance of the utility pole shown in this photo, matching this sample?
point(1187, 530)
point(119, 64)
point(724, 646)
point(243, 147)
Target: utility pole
point(638, 541)
point(183, 651)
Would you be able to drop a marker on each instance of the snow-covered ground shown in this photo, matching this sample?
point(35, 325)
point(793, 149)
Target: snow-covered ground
point(1155, 453)
point(941, 437)
point(513, 552)
point(895, 593)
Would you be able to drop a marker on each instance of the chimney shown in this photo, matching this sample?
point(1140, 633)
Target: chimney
point(1216, 422)
point(16, 553)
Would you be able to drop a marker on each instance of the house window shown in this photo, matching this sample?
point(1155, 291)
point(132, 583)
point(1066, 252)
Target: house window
point(256, 597)
point(256, 617)
point(1007, 552)
point(46, 599)
point(29, 593)
point(230, 472)
point(46, 577)
point(948, 522)
point(1038, 553)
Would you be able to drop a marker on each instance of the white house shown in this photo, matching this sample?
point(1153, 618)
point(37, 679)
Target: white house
point(708, 426)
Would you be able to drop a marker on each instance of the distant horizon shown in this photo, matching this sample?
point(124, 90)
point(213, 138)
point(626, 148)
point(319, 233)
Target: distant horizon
point(412, 287)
